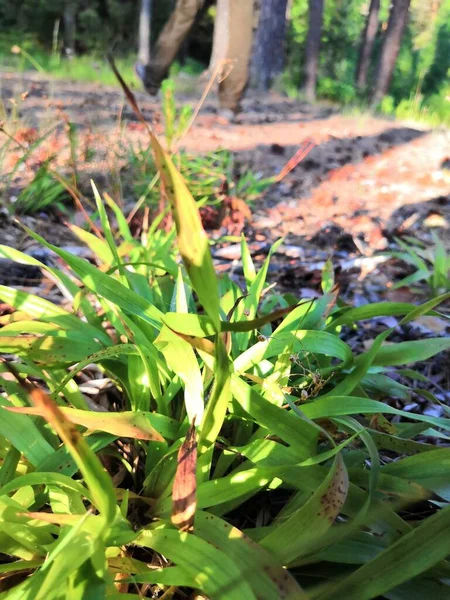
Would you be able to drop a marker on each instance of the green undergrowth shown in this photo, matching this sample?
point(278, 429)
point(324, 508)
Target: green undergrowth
point(21, 53)
point(311, 482)
point(432, 110)
point(430, 264)
point(210, 176)
point(27, 57)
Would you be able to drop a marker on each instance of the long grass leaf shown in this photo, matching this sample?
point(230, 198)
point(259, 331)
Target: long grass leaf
point(215, 572)
point(300, 534)
point(127, 424)
point(106, 286)
point(413, 554)
point(267, 578)
point(192, 240)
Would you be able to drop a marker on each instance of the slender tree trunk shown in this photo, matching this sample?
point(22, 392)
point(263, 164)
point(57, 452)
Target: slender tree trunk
point(70, 26)
point(391, 47)
point(268, 53)
point(312, 48)
point(367, 43)
point(145, 20)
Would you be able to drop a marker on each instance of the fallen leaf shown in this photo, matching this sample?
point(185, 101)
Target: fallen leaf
point(428, 323)
point(435, 220)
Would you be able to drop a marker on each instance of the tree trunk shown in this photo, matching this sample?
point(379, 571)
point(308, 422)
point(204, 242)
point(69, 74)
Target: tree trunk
point(367, 43)
point(70, 27)
point(145, 19)
point(268, 53)
point(391, 47)
point(312, 48)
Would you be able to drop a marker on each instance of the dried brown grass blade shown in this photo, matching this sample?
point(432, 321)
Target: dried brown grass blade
point(184, 493)
point(303, 151)
point(129, 95)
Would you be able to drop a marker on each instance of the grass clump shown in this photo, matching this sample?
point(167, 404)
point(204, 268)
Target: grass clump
point(430, 263)
point(433, 111)
point(50, 159)
point(21, 54)
point(168, 431)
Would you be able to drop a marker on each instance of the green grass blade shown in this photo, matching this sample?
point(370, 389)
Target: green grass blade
point(98, 247)
point(126, 424)
point(49, 349)
point(106, 286)
point(57, 479)
point(300, 534)
point(298, 342)
point(372, 311)
point(337, 406)
point(292, 429)
point(95, 476)
point(122, 223)
point(413, 554)
point(216, 408)
point(405, 353)
point(215, 572)
point(247, 263)
point(106, 228)
point(266, 578)
point(192, 240)
point(182, 360)
point(23, 434)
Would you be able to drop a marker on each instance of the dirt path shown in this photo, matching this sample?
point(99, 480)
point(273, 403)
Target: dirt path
point(366, 177)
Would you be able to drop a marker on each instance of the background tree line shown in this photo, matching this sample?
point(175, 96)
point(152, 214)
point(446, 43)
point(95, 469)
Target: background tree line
point(340, 49)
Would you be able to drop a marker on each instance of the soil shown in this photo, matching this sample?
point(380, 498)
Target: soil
point(366, 177)
point(365, 180)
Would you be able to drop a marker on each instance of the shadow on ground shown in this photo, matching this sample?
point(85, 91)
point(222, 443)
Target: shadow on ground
point(414, 219)
point(323, 158)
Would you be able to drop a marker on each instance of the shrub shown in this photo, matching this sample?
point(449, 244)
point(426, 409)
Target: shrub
point(336, 90)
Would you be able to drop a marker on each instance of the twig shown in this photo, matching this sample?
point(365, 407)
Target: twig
point(215, 74)
point(301, 153)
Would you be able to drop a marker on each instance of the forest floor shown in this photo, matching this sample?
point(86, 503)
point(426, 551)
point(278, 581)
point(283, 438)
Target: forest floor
point(366, 176)
point(366, 180)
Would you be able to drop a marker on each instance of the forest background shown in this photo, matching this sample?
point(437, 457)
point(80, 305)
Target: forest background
point(70, 37)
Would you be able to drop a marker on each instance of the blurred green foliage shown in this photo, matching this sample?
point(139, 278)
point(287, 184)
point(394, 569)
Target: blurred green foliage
point(419, 86)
